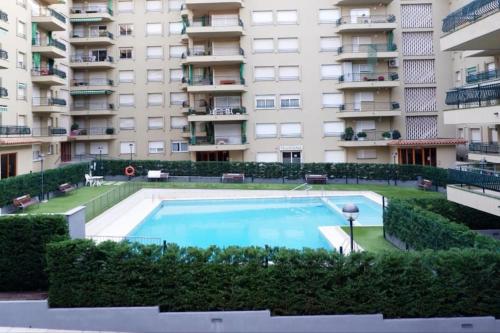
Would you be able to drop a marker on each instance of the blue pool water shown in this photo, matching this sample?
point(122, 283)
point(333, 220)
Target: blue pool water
point(284, 222)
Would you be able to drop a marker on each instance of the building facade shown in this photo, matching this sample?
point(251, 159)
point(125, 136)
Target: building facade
point(226, 80)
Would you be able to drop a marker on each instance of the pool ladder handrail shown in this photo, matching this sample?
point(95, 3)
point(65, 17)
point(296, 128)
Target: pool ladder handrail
point(306, 186)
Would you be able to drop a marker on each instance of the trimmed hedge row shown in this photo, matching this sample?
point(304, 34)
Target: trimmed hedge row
point(14, 187)
point(308, 282)
point(422, 229)
point(22, 250)
point(280, 170)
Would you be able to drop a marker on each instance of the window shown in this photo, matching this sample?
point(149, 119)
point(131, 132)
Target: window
point(125, 6)
point(154, 52)
point(155, 75)
point(127, 147)
point(266, 130)
point(127, 123)
point(8, 165)
point(290, 101)
point(177, 51)
point(156, 147)
point(155, 122)
point(266, 157)
point(178, 122)
point(264, 73)
point(175, 28)
point(286, 17)
point(329, 15)
point(364, 154)
point(292, 157)
point(291, 130)
point(329, 44)
point(458, 76)
point(127, 100)
point(265, 101)
point(332, 100)
point(175, 5)
point(262, 17)
point(36, 152)
point(21, 91)
point(333, 128)
point(99, 148)
point(335, 156)
point(288, 73)
point(154, 29)
point(176, 75)
point(365, 125)
point(178, 98)
point(155, 99)
point(471, 70)
point(126, 53)
point(288, 45)
point(126, 76)
point(126, 29)
point(21, 60)
point(263, 45)
point(331, 72)
point(475, 135)
point(21, 29)
point(179, 146)
point(154, 5)
point(21, 3)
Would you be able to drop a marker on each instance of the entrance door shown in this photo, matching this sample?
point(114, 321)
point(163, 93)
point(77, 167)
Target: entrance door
point(65, 151)
point(292, 157)
point(8, 165)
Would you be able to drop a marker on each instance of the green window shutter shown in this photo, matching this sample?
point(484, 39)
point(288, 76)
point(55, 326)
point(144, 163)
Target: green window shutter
point(34, 30)
point(37, 60)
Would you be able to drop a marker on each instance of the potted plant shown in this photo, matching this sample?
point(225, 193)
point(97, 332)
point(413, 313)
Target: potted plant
point(381, 78)
point(348, 134)
point(74, 129)
point(396, 135)
point(361, 136)
point(387, 135)
point(110, 131)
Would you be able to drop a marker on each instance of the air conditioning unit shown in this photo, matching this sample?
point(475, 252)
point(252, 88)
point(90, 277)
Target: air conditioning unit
point(393, 63)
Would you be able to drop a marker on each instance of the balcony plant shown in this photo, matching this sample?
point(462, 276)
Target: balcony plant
point(110, 131)
point(387, 135)
point(396, 135)
point(348, 134)
point(361, 136)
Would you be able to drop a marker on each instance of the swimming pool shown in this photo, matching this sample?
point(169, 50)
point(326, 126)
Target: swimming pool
point(284, 222)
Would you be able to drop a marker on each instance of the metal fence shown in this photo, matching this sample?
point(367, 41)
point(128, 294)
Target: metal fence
point(132, 239)
point(481, 178)
point(470, 13)
point(107, 200)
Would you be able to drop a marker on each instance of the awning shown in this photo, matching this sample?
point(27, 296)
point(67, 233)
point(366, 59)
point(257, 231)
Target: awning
point(91, 92)
point(86, 19)
point(3, 108)
point(18, 141)
point(428, 142)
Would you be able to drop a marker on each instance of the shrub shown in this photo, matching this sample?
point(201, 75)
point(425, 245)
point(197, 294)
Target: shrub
point(22, 250)
point(397, 284)
point(422, 229)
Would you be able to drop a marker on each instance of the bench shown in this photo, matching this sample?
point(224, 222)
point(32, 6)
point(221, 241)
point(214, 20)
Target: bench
point(157, 175)
point(316, 179)
point(66, 188)
point(25, 201)
point(425, 184)
point(233, 177)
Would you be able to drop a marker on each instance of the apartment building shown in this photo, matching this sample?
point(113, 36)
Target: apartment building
point(248, 80)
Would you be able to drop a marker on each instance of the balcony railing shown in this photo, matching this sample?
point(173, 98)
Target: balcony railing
point(92, 82)
point(367, 48)
point(475, 176)
point(4, 92)
point(93, 131)
point(92, 34)
point(470, 13)
point(472, 97)
point(91, 59)
point(44, 101)
point(210, 80)
point(48, 72)
point(49, 131)
point(220, 51)
point(90, 106)
point(207, 21)
point(14, 130)
point(91, 10)
point(484, 148)
point(483, 76)
point(4, 16)
point(369, 135)
point(4, 55)
point(48, 42)
point(217, 140)
point(48, 12)
point(369, 107)
point(220, 110)
point(366, 19)
point(366, 77)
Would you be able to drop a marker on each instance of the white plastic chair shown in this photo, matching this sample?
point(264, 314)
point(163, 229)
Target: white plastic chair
point(88, 180)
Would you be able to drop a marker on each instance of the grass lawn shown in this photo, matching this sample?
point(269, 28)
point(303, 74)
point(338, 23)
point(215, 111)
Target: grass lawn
point(371, 239)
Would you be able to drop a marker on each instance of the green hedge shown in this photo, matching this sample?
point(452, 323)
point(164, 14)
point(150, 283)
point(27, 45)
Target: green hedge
point(280, 170)
point(14, 187)
point(422, 229)
point(23, 242)
point(397, 284)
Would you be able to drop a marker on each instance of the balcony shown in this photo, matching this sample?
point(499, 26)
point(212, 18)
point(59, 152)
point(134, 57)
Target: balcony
point(4, 92)
point(92, 62)
point(213, 4)
point(473, 105)
point(91, 37)
point(483, 151)
point(92, 87)
point(367, 139)
point(93, 109)
point(48, 105)
point(366, 23)
point(4, 59)
point(368, 80)
point(369, 110)
point(219, 56)
point(90, 14)
point(222, 143)
point(49, 20)
point(93, 133)
point(365, 51)
point(52, 2)
point(207, 27)
point(362, 2)
point(48, 77)
point(14, 131)
point(220, 114)
point(50, 48)
point(472, 27)
point(199, 84)
point(483, 76)
point(4, 20)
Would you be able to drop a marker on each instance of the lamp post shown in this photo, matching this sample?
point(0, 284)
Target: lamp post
point(394, 156)
point(351, 212)
point(41, 157)
point(100, 158)
point(131, 145)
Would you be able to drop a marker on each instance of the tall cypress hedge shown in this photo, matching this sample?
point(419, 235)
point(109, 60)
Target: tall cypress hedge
point(288, 282)
point(422, 229)
point(23, 241)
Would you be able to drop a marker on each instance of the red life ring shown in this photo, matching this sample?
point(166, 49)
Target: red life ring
point(129, 171)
